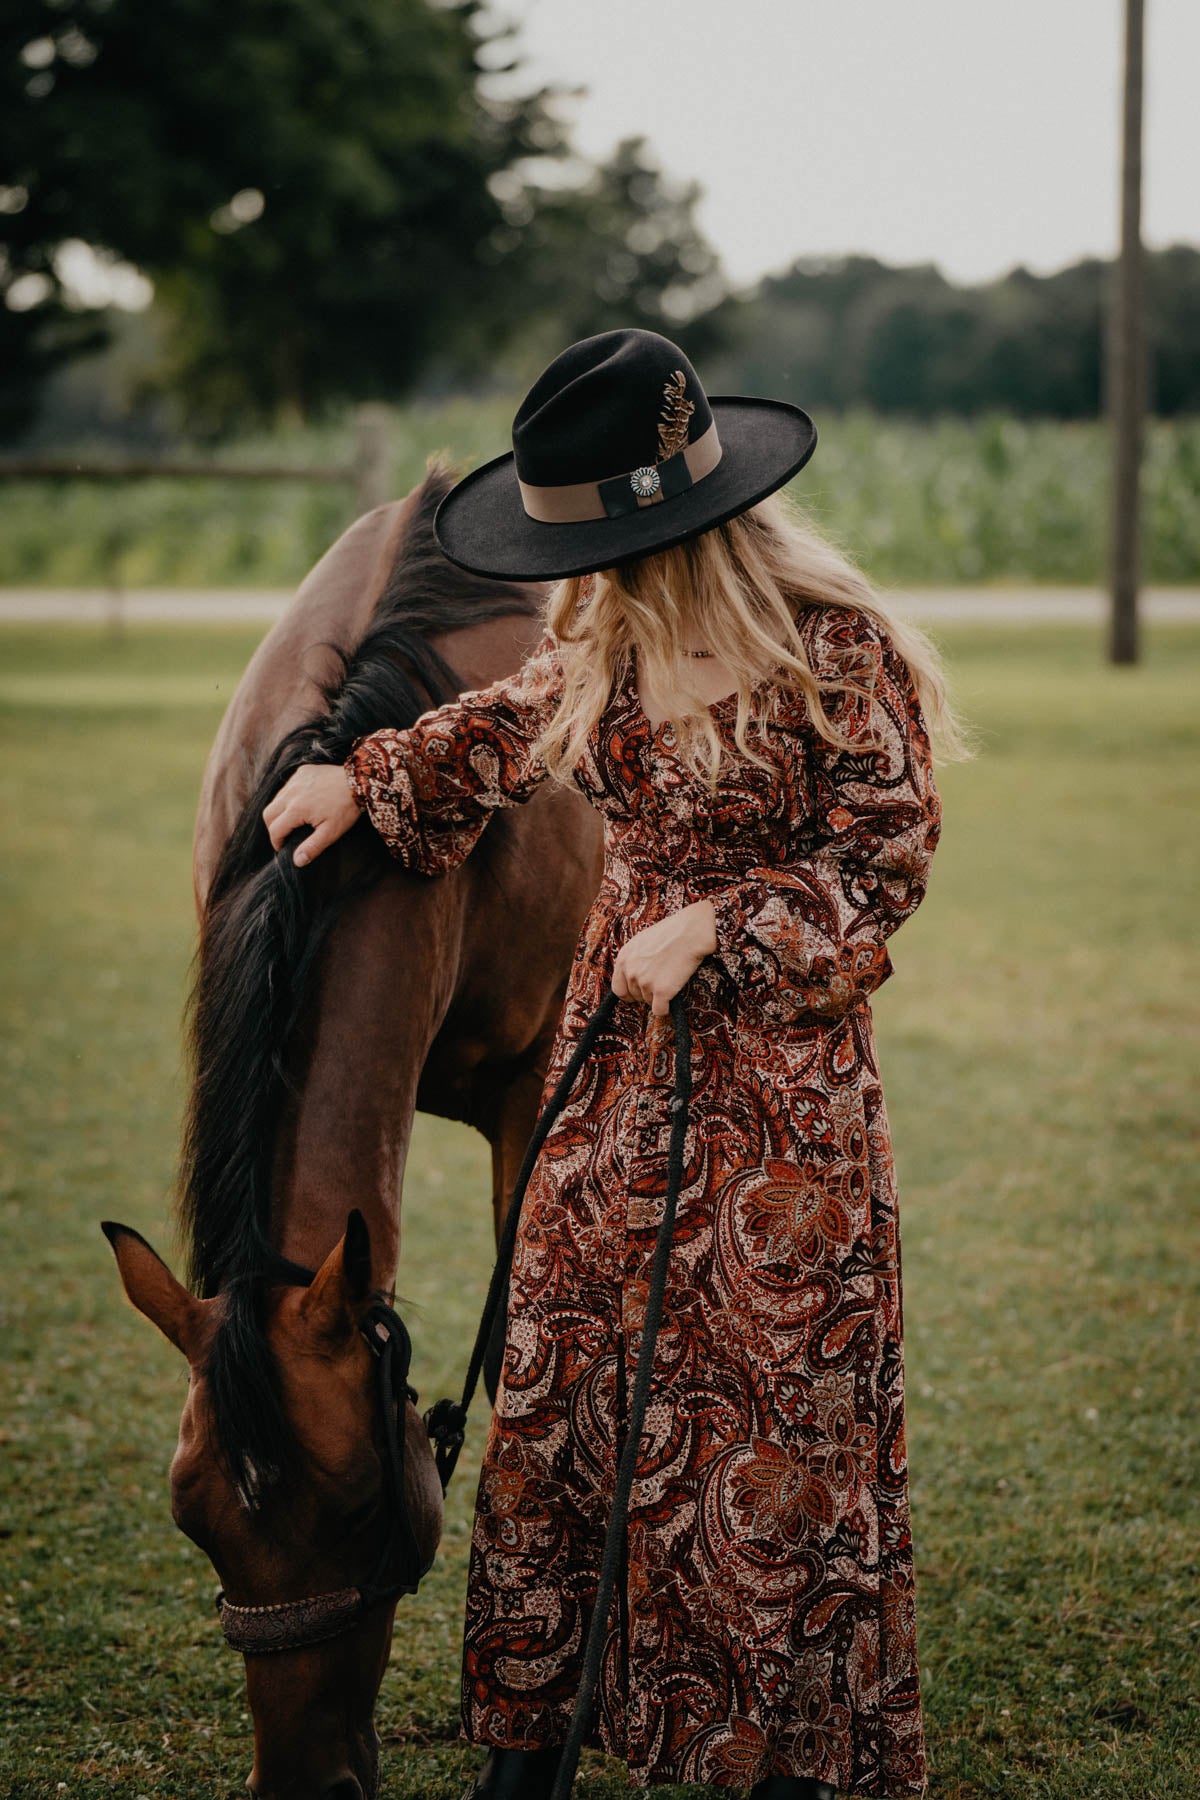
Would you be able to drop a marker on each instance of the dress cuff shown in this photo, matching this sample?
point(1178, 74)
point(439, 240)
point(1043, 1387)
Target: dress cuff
point(382, 786)
point(358, 770)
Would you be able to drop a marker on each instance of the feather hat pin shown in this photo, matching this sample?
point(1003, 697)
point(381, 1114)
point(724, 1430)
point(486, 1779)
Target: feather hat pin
point(677, 410)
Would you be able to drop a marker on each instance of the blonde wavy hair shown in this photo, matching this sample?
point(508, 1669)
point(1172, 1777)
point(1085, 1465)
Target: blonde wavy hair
point(736, 589)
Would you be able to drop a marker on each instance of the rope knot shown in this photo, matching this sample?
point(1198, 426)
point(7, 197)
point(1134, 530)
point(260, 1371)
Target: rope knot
point(446, 1422)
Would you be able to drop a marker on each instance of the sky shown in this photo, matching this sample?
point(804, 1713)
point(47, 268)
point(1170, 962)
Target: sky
point(975, 136)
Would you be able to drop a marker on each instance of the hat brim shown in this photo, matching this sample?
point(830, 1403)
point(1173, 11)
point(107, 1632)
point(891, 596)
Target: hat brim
point(484, 528)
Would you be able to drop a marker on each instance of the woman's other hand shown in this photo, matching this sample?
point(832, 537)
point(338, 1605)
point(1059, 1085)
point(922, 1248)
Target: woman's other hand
point(655, 963)
point(318, 794)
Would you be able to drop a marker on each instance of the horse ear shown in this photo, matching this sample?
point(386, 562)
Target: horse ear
point(152, 1288)
point(342, 1282)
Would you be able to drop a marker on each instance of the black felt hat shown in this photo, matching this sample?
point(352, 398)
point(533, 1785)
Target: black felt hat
point(617, 452)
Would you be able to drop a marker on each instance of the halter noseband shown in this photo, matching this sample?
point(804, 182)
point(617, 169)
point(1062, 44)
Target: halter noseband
point(299, 1624)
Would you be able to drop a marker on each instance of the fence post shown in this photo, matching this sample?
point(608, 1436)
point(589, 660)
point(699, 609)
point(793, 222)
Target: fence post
point(372, 482)
point(114, 608)
point(116, 542)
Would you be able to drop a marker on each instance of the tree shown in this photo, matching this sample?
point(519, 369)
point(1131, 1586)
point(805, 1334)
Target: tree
point(307, 183)
point(621, 247)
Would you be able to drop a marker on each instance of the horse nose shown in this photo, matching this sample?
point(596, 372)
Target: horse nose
point(346, 1787)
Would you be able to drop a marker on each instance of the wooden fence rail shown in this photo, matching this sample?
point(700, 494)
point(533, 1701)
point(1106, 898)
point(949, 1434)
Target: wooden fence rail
point(366, 474)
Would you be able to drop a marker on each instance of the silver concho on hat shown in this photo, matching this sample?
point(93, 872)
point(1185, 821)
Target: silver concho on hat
point(645, 482)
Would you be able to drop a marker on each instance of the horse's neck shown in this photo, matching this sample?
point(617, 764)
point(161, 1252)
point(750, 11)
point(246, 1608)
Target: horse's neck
point(281, 686)
point(386, 977)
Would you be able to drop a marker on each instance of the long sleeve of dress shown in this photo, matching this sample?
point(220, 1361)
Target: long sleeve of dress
point(807, 937)
point(430, 788)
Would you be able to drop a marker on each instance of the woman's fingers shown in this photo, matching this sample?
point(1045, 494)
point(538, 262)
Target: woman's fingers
point(274, 828)
point(283, 814)
point(647, 970)
point(651, 991)
point(318, 839)
point(625, 983)
point(318, 794)
point(283, 822)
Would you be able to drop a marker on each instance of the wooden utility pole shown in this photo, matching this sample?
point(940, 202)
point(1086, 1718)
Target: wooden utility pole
point(1127, 371)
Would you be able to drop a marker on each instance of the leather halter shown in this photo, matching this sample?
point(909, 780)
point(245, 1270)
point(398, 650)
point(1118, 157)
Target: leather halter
point(298, 1624)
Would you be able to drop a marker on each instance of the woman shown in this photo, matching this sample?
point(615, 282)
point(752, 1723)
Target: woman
point(732, 697)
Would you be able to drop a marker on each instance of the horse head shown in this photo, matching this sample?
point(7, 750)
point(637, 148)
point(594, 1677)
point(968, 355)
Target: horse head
point(310, 1558)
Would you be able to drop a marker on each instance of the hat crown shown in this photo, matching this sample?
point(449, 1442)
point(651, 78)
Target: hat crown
point(608, 404)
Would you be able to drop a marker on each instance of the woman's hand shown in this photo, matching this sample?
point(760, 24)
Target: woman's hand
point(655, 963)
point(320, 795)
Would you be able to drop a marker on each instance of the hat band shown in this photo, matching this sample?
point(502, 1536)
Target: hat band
point(621, 494)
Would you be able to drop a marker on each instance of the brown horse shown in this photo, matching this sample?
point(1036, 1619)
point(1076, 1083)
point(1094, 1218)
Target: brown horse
point(329, 1006)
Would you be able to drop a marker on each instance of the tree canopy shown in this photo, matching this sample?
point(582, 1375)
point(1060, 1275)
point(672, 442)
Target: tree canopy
point(328, 195)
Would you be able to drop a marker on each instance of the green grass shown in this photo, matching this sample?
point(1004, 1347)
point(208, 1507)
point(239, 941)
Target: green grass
point(945, 501)
point(1039, 1054)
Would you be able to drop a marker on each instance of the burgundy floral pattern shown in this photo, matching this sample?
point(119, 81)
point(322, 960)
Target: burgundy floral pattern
point(764, 1619)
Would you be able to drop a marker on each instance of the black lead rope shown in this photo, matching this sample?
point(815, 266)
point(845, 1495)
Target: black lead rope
point(581, 1717)
point(446, 1421)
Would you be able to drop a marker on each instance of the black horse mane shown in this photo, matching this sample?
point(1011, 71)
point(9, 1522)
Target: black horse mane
point(263, 927)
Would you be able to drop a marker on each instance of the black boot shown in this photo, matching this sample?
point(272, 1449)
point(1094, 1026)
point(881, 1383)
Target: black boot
point(792, 1787)
point(516, 1774)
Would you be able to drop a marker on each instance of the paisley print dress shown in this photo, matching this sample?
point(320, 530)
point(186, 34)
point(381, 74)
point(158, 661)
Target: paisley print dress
point(763, 1621)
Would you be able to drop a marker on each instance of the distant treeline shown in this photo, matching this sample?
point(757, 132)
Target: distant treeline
point(854, 332)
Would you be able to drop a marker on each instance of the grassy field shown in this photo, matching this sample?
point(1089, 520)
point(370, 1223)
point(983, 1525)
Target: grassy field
point(947, 502)
point(1039, 1051)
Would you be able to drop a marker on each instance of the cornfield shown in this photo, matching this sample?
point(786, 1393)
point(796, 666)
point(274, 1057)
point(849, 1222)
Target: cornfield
point(922, 503)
